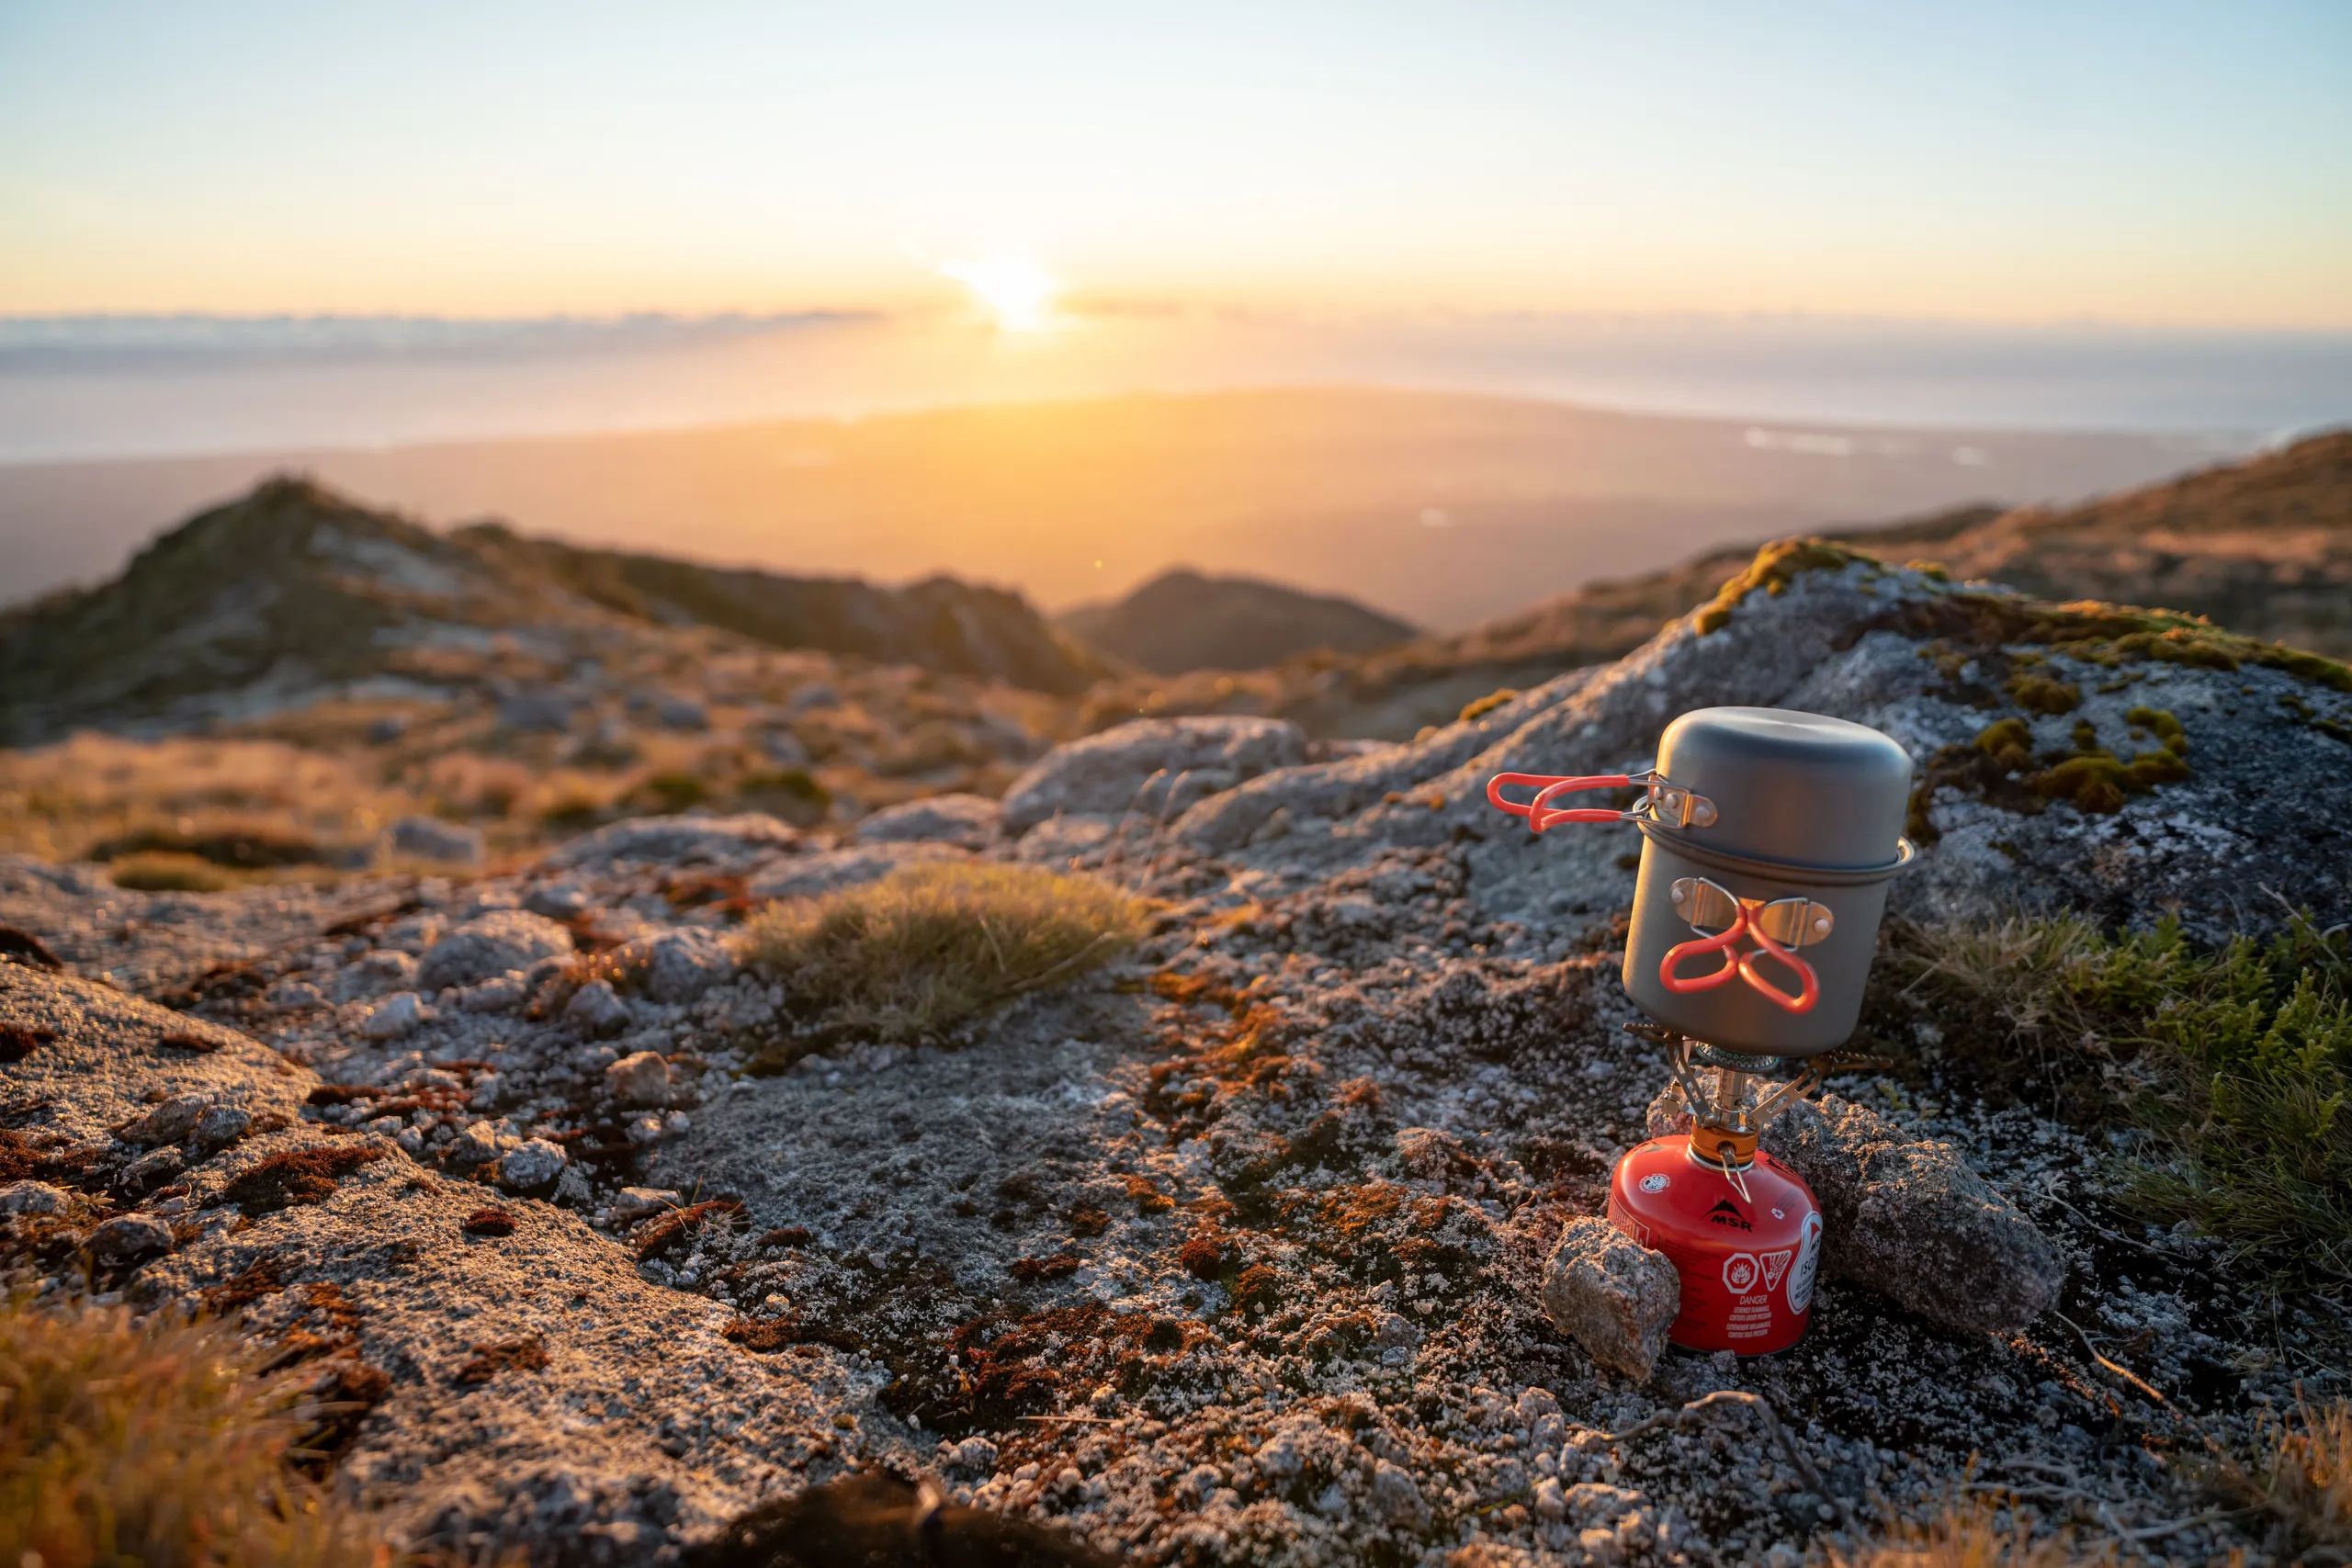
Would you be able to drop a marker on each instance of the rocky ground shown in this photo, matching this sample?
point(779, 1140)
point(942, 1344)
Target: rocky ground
point(1237, 1249)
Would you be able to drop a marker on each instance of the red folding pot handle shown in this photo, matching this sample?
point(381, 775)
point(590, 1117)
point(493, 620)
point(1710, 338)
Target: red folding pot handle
point(1541, 813)
point(1808, 984)
point(1722, 942)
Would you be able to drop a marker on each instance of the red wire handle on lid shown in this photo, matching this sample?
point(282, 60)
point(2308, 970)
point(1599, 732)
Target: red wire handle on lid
point(1541, 813)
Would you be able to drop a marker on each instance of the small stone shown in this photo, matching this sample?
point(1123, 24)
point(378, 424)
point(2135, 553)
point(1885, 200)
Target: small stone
point(1391, 1330)
point(397, 1017)
point(532, 1165)
point(168, 1122)
point(221, 1125)
point(974, 1456)
point(645, 1131)
point(640, 1078)
point(480, 1143)
point(153, 1169)
point(1612, 1295)
point(424, 838)
point(682, 712)
point(1398, 1495)
point(31, 1198)
point(503, 993)
point(635, 1202)
point(130, 1239)
point(597, 1009)
point(559, 900)
point(1551, 1502)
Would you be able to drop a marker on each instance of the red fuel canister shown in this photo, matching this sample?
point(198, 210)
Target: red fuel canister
point(1745, 1258)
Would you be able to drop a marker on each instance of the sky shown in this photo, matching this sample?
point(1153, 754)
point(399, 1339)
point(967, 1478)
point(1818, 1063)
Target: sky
point(2183, 165)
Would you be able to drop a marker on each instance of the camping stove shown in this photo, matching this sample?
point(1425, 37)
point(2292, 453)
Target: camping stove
point(1768, 838)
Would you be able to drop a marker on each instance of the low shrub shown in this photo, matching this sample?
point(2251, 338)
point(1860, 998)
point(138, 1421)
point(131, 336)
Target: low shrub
point(166, 871)
point(2236, 1060)
point(910, 957)
point(158, 1443)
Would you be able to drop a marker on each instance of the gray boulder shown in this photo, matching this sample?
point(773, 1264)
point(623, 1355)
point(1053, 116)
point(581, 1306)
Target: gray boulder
point(682, 964)
point(1612, 1295)
point(967, 821)
point(429, 839)
point(728, 843)
point(1104, 774)
point(1907, 1221)
point(811, 876)
point(536, 712)
point(492, 944)
point(31, 1198)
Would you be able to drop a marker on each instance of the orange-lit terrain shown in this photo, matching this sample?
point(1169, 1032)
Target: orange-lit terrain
point(1444, 510)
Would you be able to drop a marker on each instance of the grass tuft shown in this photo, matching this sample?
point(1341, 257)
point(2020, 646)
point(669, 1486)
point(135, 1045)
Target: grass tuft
point(2306, 1482)
point(912, 957)
point(2236, 1060)
point(158, 1443)
point(1968, 1536)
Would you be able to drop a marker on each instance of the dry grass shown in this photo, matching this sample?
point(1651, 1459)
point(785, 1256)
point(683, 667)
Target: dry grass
point(910, 957)
point(2304, 1481)
point(158, 1444)
point(1970, 1536)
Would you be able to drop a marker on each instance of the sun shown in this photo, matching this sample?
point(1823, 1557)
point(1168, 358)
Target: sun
point(1014, 289)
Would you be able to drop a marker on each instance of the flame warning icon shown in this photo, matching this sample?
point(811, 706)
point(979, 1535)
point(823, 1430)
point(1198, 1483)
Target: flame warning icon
point(1739, 1271)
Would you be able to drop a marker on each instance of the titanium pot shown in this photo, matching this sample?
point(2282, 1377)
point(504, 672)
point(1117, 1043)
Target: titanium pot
point(1770, 838)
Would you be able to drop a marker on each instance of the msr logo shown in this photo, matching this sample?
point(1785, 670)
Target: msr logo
point(1725, 1213)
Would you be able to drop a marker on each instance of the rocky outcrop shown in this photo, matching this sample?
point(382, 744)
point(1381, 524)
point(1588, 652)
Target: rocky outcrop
point(2155, 764)
point(1105, 774)
point(967, 821)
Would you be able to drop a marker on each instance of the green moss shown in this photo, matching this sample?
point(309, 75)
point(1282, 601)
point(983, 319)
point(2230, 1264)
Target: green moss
point(2040, 693)
point(2235, 1062)
point(1775, 567)
point(1486, 704)
point(672, 792)
point(2007, 742)
point(2160, 723)
point(2109, 635)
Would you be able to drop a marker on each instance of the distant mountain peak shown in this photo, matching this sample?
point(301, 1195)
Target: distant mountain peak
point(1186, 619)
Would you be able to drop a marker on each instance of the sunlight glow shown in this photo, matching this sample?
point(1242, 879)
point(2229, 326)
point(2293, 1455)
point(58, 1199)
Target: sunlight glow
point(1014, 289)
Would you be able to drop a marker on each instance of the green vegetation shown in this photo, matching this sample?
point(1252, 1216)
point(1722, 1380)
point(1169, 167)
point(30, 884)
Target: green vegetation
point(158, 1443)
point(2040, 694)
point(2237, 1063)
point(2110, 634)
point(168, 871)
point(910, 957)
point(1775, 567)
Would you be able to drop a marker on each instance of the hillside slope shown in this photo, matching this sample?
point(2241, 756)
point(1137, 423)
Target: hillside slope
point(294, 592)
point(1183, 620)
point(2262, 547)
